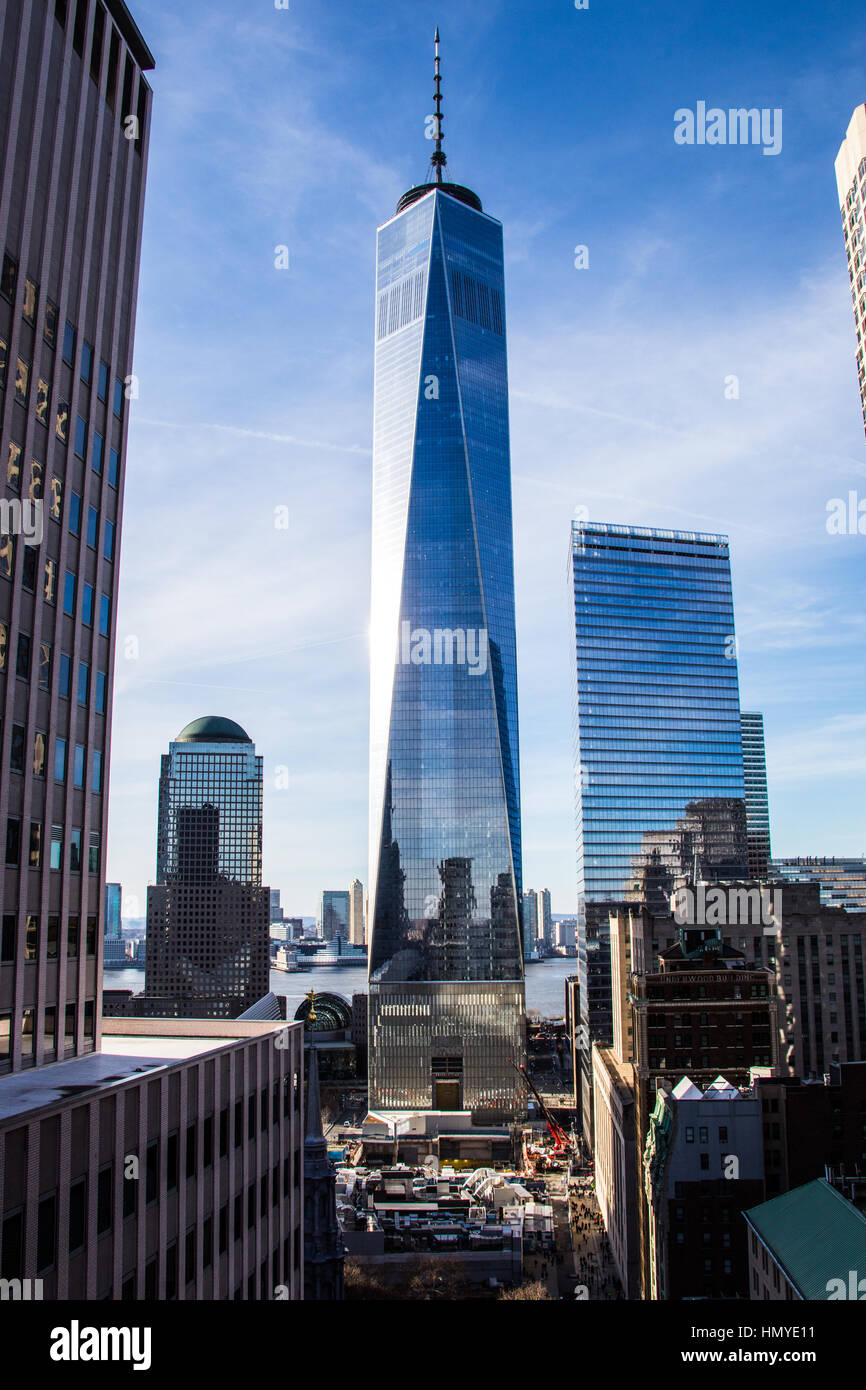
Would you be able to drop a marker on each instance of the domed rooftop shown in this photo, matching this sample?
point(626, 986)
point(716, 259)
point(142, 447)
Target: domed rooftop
point(333, 1013)
point(213, 729)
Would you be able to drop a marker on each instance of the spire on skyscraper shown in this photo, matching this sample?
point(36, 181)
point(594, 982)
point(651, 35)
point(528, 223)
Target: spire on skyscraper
point(438, 158)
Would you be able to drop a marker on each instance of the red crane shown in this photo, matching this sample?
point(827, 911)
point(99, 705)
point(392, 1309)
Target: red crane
point(561, 1141)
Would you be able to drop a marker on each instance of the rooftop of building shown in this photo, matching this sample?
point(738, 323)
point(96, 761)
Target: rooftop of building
point(609, 528)
point(453, 190)
point(213, 728)
point(131, 33)
point(815, 1234)
point(131, 1048)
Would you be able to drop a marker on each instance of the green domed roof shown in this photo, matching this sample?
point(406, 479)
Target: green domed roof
point(213, 729)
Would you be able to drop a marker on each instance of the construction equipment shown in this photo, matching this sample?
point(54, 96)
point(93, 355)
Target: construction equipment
point(562, 1145)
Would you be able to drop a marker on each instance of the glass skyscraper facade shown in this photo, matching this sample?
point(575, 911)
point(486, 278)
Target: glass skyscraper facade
point(446, 993)
point(334, 914)
point(208, 914)
point(658, 744)
point(757, 798)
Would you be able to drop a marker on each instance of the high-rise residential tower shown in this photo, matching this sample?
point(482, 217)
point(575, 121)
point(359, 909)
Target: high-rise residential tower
point(334, 914)
point(757, 799)
point(74, 128)
point(658, 741)
point(113, 923)
point(357, 935)
point(545, 919)
point(851, 187)
point(446, 993)
point(208, 914)
point(529, 918)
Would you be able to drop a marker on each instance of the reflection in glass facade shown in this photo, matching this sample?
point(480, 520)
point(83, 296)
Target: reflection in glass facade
point(446, 1000)
point(208, 914)
point(658, 747)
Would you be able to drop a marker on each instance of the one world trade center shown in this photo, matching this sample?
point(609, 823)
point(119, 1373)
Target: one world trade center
point(446, 990)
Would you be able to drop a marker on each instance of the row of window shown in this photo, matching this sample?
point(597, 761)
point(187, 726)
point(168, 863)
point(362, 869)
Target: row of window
point(51, 1043)
point(24, 647)
point(14, 832)
point(36, 476)
point(29, 310)
point(9, 937)
point(79, 30)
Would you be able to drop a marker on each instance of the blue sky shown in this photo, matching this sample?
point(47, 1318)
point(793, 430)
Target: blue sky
point(302, 127)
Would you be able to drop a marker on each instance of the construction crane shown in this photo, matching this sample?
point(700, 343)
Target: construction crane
point(561, 1142)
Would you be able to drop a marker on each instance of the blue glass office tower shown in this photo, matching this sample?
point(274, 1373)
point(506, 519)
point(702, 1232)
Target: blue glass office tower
point(658, 742)
point(446, 994)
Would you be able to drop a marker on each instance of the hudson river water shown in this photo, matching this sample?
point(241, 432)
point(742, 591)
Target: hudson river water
point(545, 987)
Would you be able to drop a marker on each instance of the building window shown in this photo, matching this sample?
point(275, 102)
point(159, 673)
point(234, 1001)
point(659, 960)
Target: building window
point(7, 938)
point(46, 1234)
point(64, 675)
point(108, 541)
point(22, 381)
point(16, 749)
point(13, 840)
point(43, 396)
point(69, 344)
point(8, 276)
point(99, 701)
point(117, 398)
point(690, 1134)
point(60, 760)
point(41, 741)
point(104, 615)
point(49, 1030)
point(96, 459)
point(93, 853)
point(35, 856)
point(75, 513)
point(31, 937)
point(104, 1195)
point(61, 422)
point(53, 935)
point(56, 858)
point(72, 925)
point(49, 325)
point(78, 764)
point(113, 467)
point(86, 362)
point(69, 594)
point(87, 605)
point(22, 656)
point(75, 850)
point(31, 298)
point(92, 526)
point(102, 381)
point(13, 466)
point(77, 1214)
point(96, 776)
point(83, 682)
point(80, 437)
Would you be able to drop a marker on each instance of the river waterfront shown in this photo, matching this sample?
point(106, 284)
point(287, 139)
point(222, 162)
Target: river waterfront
point(545, 984)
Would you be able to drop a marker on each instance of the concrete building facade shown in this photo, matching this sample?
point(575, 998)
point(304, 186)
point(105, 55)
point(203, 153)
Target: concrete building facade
point(74, 129)
point(174, 1171)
